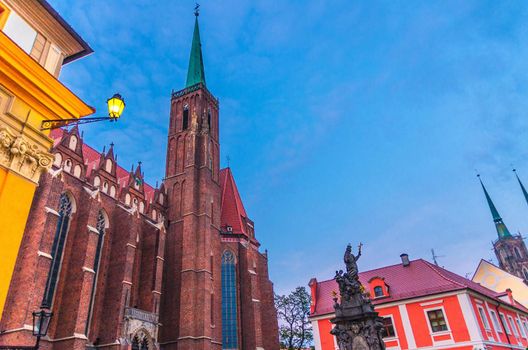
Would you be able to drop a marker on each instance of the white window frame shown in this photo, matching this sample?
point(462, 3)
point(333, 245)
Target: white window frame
point(483, 318)
point(525, 325)
point(519, 324)
point(441, 307)
point(495, 321)
point(393, 326)
point(512, 324)
point(504, 322)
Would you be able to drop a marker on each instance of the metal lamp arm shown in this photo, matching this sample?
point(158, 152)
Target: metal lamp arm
point(58, 123)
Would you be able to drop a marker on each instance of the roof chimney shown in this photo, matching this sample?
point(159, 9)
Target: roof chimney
point(405, 259)
point(510, 296)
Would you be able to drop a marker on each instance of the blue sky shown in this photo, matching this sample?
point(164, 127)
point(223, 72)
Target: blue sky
point(355, 121)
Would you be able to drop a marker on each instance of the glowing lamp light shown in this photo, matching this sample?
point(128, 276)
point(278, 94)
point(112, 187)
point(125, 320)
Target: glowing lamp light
point(116, 105)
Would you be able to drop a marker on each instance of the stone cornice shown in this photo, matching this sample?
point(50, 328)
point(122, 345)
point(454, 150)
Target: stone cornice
point(23, 156)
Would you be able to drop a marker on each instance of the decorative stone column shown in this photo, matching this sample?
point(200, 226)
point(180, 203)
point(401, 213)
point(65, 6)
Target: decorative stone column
point(357, 325)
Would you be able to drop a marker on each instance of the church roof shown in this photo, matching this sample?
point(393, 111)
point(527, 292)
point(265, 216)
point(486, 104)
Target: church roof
point(420, 278)
point(195, 72)
point(502, 230)
point(233, 212)
point(92, 158)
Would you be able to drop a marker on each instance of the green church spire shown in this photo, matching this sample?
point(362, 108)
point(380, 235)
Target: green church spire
point(502, 230)
point(522, 186)
point(196, 73)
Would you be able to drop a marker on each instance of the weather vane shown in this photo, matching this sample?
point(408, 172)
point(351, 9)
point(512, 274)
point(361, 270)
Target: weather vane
point(197, 10)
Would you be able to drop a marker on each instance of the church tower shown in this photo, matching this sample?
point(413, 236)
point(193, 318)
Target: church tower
point(191, 295)
point(510, 250)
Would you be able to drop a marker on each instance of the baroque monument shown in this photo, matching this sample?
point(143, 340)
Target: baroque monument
point(357, 325)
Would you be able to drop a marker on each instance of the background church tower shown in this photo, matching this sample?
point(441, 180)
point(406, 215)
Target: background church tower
point(191, 299)
point(510, 250)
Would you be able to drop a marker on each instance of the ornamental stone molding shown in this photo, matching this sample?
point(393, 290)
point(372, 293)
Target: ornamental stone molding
point(140, 324)
point(22, 155)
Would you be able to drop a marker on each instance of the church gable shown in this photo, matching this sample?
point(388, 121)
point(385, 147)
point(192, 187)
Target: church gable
point(234, 217)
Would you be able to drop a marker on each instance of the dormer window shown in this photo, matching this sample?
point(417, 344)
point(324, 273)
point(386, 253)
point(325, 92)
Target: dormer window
point(378, 287)
point(73, 143)
point(185, 119)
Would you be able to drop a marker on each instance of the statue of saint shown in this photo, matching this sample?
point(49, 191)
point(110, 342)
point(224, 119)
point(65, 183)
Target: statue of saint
point(351, 261)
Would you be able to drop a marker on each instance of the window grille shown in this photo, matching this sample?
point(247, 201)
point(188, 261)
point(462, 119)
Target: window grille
point(437, 320)
point(378, 291)
point(229, 302)
point(388, 328)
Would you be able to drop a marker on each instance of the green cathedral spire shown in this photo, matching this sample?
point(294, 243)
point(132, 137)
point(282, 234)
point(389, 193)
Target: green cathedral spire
point(502, 230)
point(522, 186)
point(196, 73)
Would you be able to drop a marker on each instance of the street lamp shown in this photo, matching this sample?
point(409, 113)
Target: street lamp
point(116, 105)
point(41, 321)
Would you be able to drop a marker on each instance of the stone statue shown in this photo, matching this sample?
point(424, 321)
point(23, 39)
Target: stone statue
point(357, 325)
point(351, 261)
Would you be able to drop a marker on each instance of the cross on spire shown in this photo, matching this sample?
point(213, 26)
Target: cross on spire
point(228, 160)
point(197, 10)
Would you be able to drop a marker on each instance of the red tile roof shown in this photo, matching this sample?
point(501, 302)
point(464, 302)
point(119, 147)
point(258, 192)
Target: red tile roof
point(419, 278)
point(233, 212)
point(91, 160)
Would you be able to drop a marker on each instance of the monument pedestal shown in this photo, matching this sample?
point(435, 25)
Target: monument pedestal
point(357, 325)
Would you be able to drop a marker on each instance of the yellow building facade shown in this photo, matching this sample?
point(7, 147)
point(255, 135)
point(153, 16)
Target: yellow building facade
point(492, 277)
point(35, 42)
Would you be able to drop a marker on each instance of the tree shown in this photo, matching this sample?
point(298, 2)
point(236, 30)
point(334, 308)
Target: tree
point(295, 329)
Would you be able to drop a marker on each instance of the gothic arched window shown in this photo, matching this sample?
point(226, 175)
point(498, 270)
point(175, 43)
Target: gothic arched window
point(140, 342)
point(525, 272)
point(100, 227)
point(73, 143)
point(229, 302)
point(185, 119)
point(58, 160)
point(518, 253)
point(63, 224)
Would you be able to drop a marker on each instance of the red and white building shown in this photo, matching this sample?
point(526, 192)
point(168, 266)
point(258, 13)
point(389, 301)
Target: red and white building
point(427, 307)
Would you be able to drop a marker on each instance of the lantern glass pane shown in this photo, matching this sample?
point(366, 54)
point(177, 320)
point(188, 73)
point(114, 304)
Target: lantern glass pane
point(115, 106)
point(45, 324)
point(36, 323)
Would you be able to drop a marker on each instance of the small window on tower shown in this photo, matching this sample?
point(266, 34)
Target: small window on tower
point(518, 253)
point(209, 119)
point(185, 121)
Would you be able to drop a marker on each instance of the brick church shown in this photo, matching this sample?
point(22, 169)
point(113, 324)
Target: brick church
point(126, 265)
